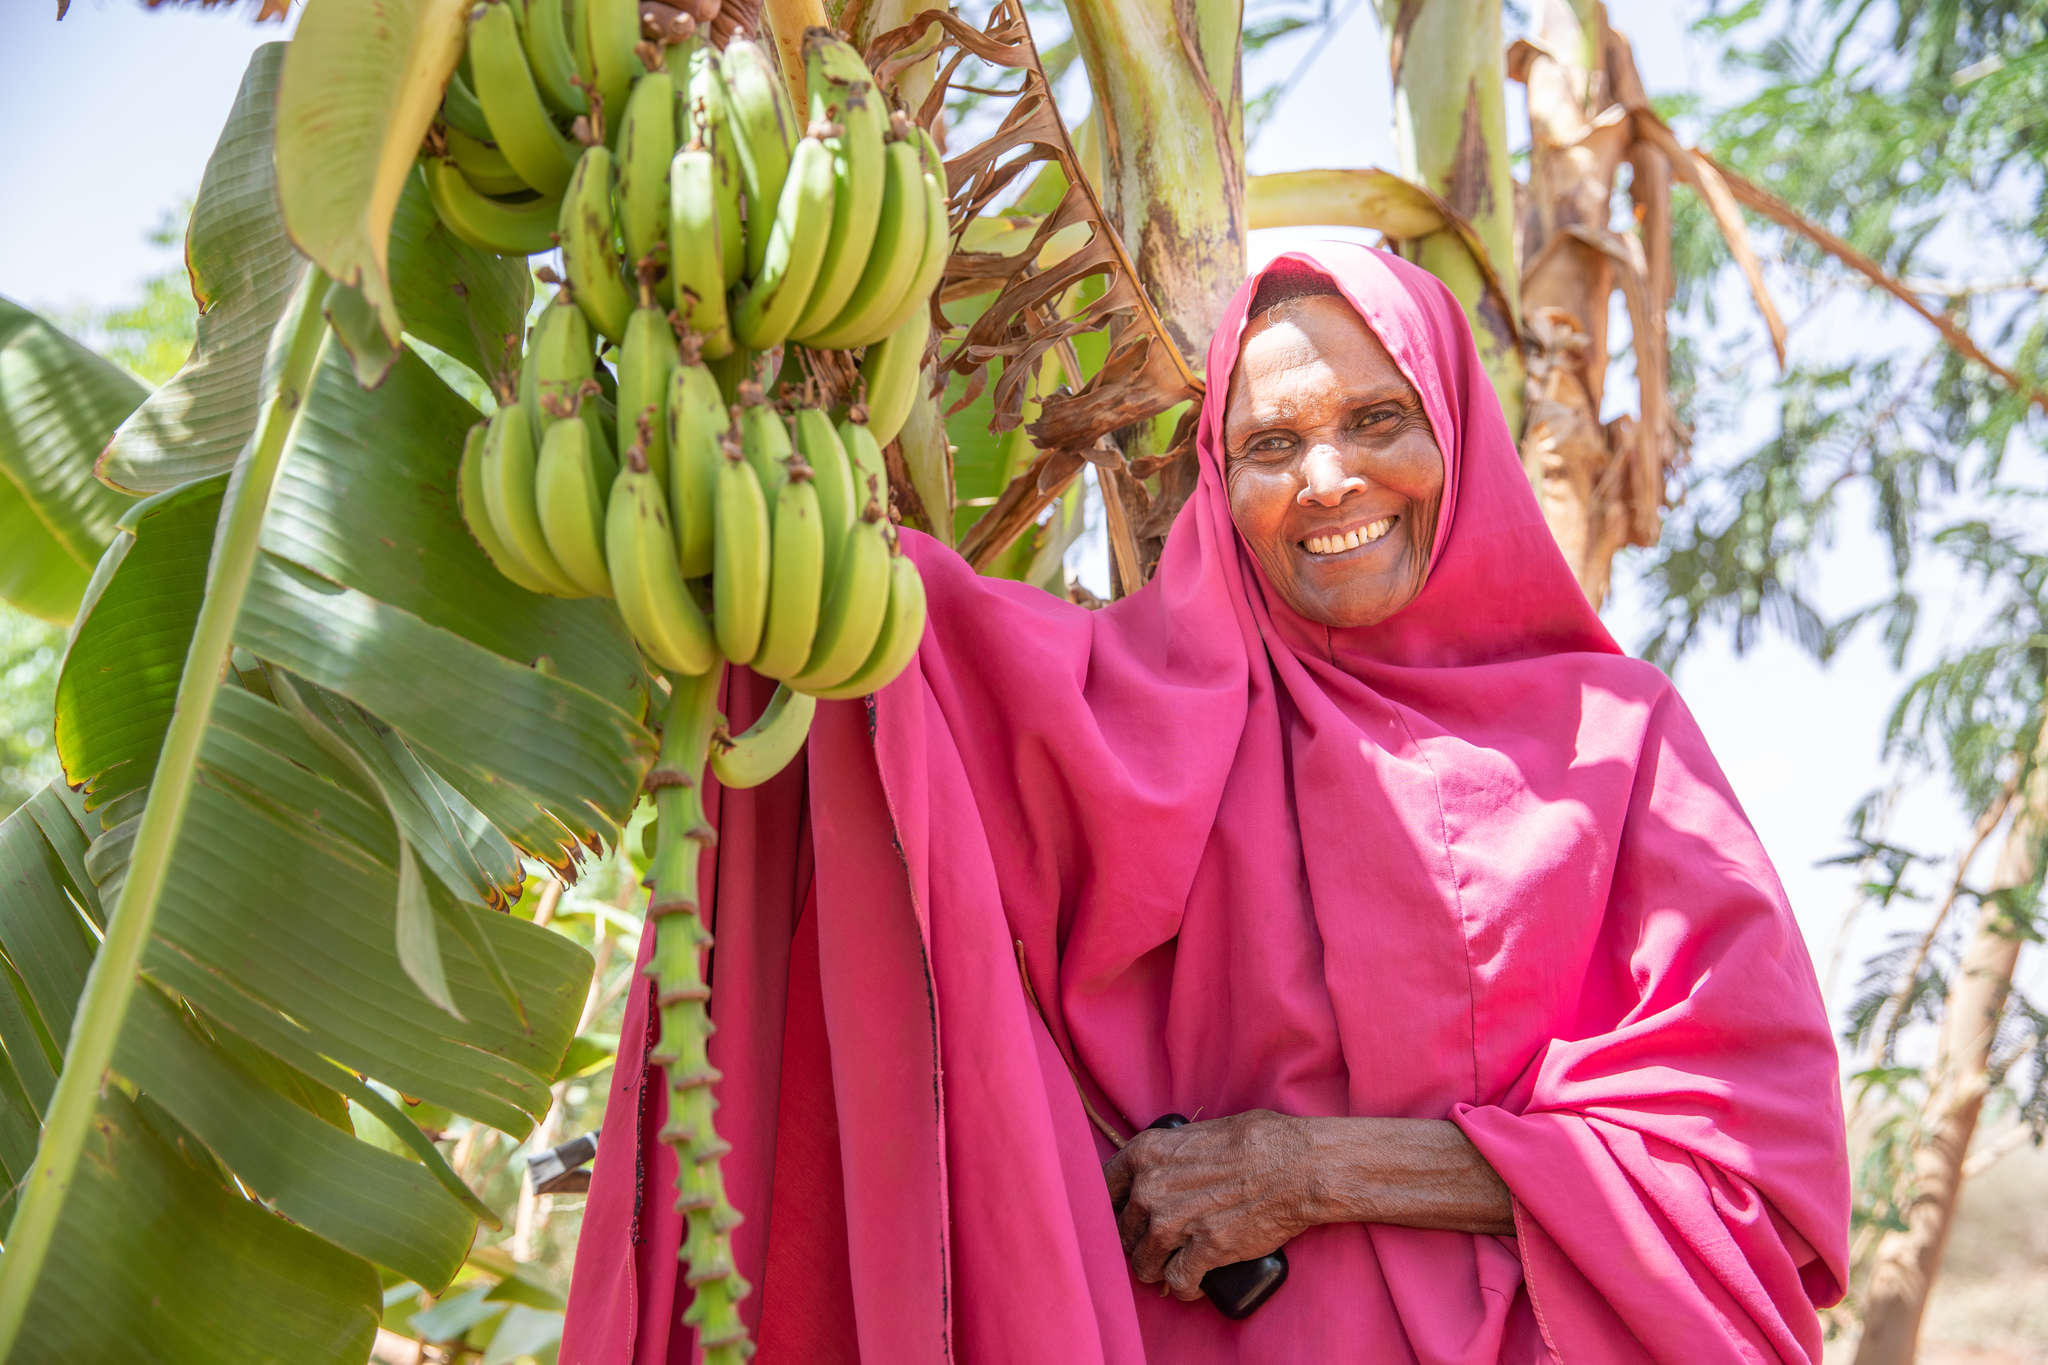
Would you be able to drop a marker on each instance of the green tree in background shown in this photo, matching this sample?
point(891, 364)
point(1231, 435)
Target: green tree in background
point(1903, 145)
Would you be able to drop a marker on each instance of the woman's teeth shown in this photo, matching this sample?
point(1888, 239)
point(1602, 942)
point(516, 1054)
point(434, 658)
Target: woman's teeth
point(1366, 535)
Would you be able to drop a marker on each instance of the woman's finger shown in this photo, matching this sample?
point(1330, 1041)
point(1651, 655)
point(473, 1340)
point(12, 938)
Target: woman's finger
point(1183, 1273)
point(1153, 1250)
point(1133, 1221)
point(1116, 1172)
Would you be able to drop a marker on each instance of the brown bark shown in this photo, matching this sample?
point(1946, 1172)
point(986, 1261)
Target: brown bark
point(1908, 1259)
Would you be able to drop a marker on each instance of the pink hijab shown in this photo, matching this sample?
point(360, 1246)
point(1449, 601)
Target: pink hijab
point(1471, 863)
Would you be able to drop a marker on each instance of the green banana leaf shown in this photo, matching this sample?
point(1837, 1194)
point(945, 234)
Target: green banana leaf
point(243, 270)
point(58, 405)
point(460, 300)
point(398, 723)
point(357, 93)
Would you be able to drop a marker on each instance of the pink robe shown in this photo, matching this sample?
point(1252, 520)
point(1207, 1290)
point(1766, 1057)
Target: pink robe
point(1472, 863)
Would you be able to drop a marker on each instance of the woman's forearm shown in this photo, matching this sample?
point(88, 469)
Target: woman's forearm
point(1417, 1173)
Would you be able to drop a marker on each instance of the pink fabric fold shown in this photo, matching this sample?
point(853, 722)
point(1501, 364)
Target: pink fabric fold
point(1471, 863)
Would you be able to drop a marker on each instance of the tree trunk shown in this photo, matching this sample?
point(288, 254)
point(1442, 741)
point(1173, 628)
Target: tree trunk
point(1169, 112)
point(1169, 100)
point(1450, 124)
point(1908, 1259)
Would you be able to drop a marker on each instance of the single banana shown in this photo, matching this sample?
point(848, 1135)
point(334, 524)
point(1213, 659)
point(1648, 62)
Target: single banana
point(796, 574)
point(893, 259)
point(508, 227)
point(612, 32)
point(460, 108)
point(832, 473)
point(646, 359)
point(519, 120)
point(696, 262)
point(797, 238)
point(938, 242)
point(571, 502)
point(767, 746)
point(891, 370)
point(842, 93)
point(640, 552)
point(710, 123)
point(508, 479)
point(902, 631)
point(483, 165)
point(647, 142)
point(864, 452)
point(740, 549)
point(764, 436)
point(589, 253)
point(557, 367)
point(698, 423)
point(470, 493)
point(856, 600)
point(552, 56)
point(764, 125)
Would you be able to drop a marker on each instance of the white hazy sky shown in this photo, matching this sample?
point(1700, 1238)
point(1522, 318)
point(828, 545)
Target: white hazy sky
point(114, 111)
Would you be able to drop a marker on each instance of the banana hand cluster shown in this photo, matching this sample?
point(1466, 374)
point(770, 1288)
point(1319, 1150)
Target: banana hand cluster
point(737, 531)
point(674, 174)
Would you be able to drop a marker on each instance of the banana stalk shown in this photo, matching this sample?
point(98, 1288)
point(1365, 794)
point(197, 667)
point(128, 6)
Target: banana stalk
point(682, 833)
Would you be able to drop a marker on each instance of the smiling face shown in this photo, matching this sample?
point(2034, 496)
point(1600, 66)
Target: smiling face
point(1334, 475)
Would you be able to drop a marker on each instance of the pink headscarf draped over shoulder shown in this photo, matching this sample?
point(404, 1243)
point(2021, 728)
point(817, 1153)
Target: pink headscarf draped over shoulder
point(1470, 863)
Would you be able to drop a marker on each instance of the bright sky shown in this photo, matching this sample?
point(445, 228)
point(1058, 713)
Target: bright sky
point(116, 109)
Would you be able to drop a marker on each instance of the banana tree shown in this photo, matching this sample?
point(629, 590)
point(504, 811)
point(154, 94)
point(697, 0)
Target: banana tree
point(307, 730)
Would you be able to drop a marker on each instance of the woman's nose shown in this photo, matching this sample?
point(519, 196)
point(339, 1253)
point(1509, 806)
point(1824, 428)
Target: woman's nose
point(1324, 479)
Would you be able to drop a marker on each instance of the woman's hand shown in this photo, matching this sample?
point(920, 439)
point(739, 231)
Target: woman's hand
point(1190, 1199)
point(1212, 1193)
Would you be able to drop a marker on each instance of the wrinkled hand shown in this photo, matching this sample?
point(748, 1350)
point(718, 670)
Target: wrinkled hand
point(1212, 1193)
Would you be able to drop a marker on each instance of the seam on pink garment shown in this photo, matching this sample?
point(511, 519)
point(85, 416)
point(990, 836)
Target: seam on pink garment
point(1535, 1304)
point(1457, 896)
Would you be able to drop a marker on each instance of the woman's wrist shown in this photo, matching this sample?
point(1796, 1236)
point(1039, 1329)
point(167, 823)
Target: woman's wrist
point(1421, 1173)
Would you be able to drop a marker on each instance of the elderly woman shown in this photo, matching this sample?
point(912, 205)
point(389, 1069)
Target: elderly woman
point(1354, 838)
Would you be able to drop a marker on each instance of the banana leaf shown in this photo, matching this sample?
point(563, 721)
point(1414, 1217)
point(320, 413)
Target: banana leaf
point(58, 405)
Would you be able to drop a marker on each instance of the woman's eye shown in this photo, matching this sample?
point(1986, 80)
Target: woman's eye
point(1269, 445)
point(1377, 417)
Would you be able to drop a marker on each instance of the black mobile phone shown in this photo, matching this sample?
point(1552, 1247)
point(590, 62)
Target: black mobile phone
point(1237, 1290)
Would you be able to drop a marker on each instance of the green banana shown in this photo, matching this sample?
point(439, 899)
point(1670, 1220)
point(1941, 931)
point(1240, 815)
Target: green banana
point(470, 493)
point(870, 470)
point(557, 368)
point(640, 553)
point(551, 56)
point(647, 142)
point(843, 93)
point(938, 241)
point(696, 265)
point(797, 238)
point(508, 479)
point(519, 121)
point(796, 574)
point(570, 498)
point(698, 423)
point(611, 62)
point(589, 254)
point(508, 227)
point(764, 436)
point(483, 165)
point(461, 109)
point(902, 631)
point(856, 600)
point(890, 370)
point(831, 472)
point(739, 561)
point(710, 123)
point(764, 126)
point(766, 746)
point(646, 358)
point(893, 259)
